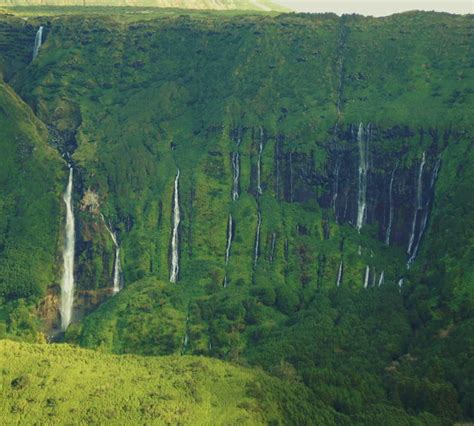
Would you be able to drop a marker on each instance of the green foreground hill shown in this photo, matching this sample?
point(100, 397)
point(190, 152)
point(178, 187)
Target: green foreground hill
point(58, 384)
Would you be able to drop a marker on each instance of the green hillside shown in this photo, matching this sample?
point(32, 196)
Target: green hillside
point(58, 384)
point(325, 227)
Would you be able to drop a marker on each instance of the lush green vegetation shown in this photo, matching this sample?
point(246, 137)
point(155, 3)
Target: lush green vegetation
point(136, 96)
point(59, 384)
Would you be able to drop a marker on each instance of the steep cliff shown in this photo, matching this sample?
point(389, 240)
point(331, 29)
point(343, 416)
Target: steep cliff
point(324, 171)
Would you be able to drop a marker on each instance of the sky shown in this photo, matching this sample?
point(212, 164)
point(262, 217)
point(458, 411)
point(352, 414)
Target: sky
point(378, 7)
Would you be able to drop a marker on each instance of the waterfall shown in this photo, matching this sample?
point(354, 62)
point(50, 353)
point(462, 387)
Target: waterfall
point(235, 175)
point(426, 212)
point(272, 246)
point(367, 275)
point(67, 283)
point(117, 277)
point(418, 204)
point(175, 235)
point(339, 273)
point(259, 164)
point(363, 142)
point(230, 231)
point(38, 41)
point(382, 278)
point(390, 201)
point(257, 239)
point(186, 336)
point(400, 282)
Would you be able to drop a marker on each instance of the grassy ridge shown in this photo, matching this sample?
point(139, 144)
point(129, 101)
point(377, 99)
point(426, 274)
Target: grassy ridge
point(61, 384)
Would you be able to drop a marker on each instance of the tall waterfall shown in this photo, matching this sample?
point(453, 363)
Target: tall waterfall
point(117, 277)
point(230, 232)
point(235, 175)
point(339, 273)
point(424, 219)
point(67, 283)
point(366, 277)
point(38, 41)
point(259, 164)
point(175, 236)
point(257, 239)
point(418, 205)
point(390, 201)
point(363, 142)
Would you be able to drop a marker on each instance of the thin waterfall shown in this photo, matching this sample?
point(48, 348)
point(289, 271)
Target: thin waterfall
point(67, 283)
point(339, 273)
point(38, 42)
point(382, 278)
point(186, 335)
point(175, 236)
point(230, 232)
point(117, 276)
point(235, 175)
point(400, 282)
point(259, 164)
point(418, 204)
point(257, 239)
point(390, 211)
point(366, 277)
point(426, 212)
point(363, 142)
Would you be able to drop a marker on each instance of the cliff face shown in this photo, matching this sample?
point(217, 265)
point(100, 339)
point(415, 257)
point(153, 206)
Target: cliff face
point(322, 162)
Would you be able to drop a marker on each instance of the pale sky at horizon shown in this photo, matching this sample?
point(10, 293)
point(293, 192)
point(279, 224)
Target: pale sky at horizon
point(378, 7)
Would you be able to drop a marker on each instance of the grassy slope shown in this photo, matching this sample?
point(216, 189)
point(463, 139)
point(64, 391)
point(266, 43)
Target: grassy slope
point(29, 208)
point(61, 384)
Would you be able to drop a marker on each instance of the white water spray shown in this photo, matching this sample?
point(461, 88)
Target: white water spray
point(235, 175)
point(339, 273)
point(382, 278)
point(38, 42)
point(175, 236)
point(367, 275)
point(257, 239)
point(259, 164)
point(418, 204)
point(363, 142)
point(67, 283)
point(117, 277)
point(230, 230)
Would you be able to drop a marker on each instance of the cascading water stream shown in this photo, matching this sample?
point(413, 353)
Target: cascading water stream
point(235, 175)
point(230, 232)
point(175, 235)
point(363, 142)
point(382, 278)
point(391, 209)
point(336, 186)
point(426, 212)
point(339, 273)
point(259, 164)
point(418, 205)
point(67, 283)
point(257, 239)
point(38, 42)
point(366, 277)
point(117, 276)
